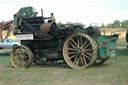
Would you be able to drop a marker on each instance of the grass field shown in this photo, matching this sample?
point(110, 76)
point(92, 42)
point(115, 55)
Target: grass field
point(112, 72)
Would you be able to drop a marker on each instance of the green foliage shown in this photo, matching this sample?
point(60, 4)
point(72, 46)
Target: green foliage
point(76, 23)
point(80, 24)
point(68, 23)
point(60, 23)
point(2, 22)
point(109, 25)
point(125, 24)
point(28, 12)
point(116, 24)
point(103, 26)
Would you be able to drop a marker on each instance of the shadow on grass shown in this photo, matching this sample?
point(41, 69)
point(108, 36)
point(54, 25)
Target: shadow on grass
point(102, 65)
point(62, 65)
point(53, 65)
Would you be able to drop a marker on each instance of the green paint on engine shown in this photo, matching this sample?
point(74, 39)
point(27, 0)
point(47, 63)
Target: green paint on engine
point(107, 45)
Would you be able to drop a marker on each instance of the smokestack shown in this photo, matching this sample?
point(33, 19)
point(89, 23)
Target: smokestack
point(42, 15)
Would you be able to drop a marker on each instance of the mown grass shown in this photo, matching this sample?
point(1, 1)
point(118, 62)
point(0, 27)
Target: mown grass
point(112, 72)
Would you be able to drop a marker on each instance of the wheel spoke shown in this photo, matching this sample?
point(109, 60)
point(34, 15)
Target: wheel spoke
point(87, 50)
point(84, 60)
point(19, 61)
point(22, 62)
point(77, 62)
point(72, 57)
point(87, 45)
point(86, 56)
point(81, 61)
point(78, 42)
point(70, 49)
point(88, 53)
point(71, 53)
point(18, 58)
point(81, 40)
point(84, 44)
point(72, 45)
point(22, 56)
point(17, 54)
point(73, 41)
point(26, 59)
point(75, 59)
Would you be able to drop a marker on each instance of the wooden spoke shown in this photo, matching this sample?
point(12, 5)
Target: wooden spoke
point(22, 63)
point(84, 44)
point(18, 58)
point(77, 62)
point(26, 59)
point(88, 53)
point(87, 45)
point(70, 49)
point(86, 56)
point(84, 60)
point(17, 54)
point(72, 45)
point(72, 56)
point(75, 59)
point(19, 62)
point(73, 41)
point(78, 42)
point(81, 40)
point(71, 53)
point(87, 50)
point(81, 59)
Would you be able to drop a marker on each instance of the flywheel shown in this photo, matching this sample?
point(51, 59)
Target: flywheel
point(80, 51)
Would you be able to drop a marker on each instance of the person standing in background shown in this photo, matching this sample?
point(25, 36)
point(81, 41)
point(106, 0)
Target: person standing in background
point(127, 38)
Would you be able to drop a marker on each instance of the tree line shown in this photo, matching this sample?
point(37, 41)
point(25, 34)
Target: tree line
point(116, 24)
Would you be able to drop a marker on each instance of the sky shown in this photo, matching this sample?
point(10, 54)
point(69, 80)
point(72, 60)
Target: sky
point(84, 11)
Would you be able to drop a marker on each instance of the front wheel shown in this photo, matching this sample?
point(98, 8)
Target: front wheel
point(21, 57)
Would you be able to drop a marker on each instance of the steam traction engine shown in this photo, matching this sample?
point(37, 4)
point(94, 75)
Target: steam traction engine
point(43, 41)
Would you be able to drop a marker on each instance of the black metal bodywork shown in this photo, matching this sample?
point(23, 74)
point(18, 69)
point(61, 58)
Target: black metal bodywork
point(48, 40)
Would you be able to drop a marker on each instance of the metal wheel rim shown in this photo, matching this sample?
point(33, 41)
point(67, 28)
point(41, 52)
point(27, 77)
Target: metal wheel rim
point(21, 57)
point(86, 44)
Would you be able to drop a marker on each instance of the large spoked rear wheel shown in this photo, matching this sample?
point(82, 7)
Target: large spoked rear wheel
point(80, 51)
point(21, 57)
